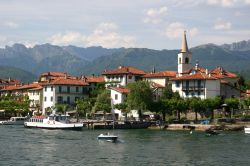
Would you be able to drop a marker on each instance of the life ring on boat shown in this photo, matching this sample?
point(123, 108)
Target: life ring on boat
point(48, 122)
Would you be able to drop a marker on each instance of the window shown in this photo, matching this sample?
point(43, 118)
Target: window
point(45, 89)
point(60, 89)
point(45, 98)
point(51, 98)
point(68, 89)
point(187, 93)
point(116, 96)
point(51, 88)
point(179, 60)
point(186, 60)
point(59, 99)
point(199, 93)
point(199, 83)
point(129, 77)
point(68, 99)
point(177, 83)
point(187, 84)
point(77, 89)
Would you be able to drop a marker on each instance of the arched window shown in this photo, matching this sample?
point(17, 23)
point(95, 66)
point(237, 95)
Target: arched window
point(179, 60)
point(186, 60)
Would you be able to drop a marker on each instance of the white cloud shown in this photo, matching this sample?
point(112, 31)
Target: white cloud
point(176, 29)
point(105, 35)
point(67, 38)
point(153, 12)
point(11, 24)
point(222, 25)
point(223, 3)
point(154, 15)
point(247, 2)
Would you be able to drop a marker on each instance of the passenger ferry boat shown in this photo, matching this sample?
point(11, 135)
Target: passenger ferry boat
point(53, 121)
point(14, 121)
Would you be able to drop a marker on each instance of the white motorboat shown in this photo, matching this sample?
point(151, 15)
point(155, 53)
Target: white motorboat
point(14, 121)
point(107, 137)
point(247, 130)
point(53, 121)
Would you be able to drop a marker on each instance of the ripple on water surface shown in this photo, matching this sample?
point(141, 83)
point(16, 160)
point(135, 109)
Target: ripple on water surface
point(20, 146)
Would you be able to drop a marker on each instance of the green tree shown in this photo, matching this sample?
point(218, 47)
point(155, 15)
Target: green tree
point(211, 104)
point(195, 105)
point(83, 107)
point(103, 102)
point(232, 103)
point(140, 96)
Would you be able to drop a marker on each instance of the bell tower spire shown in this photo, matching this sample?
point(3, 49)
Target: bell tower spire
point(184, 46)
point(184, 57)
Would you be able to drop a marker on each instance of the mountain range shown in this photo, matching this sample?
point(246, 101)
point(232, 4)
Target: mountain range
point(94, 60)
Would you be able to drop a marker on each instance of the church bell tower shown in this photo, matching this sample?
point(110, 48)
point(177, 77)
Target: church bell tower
point(184, 57)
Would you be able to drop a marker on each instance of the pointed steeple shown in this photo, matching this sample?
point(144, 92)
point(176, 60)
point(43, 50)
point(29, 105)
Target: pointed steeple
point(184, 46)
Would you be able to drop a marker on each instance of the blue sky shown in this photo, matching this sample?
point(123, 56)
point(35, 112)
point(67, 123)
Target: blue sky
point(155, 24)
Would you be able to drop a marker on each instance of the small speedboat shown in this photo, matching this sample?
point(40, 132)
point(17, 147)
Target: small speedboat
point(247, 130)
point(108, 137)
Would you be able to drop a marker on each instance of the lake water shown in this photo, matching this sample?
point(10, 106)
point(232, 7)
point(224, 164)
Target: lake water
point(21, 146)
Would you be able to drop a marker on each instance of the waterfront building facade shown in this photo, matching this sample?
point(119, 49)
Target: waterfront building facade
point(122, 76)
point(63, 91)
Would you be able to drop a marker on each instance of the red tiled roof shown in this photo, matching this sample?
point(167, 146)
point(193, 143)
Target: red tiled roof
point(124, 70)
point(248, 91)
point(197, 76)
point(161, 74)
point(9, 82)
point(54, 74)
point(29, 86)
point(219, 72)
point(64, 81)
point(11, 88)
point(121, 90)
point(95, 79)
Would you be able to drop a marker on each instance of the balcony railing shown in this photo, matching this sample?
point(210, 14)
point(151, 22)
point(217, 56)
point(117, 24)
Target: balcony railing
point(193, 88)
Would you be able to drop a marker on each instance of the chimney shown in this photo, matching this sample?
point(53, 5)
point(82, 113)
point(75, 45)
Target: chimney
point(206, 71)
point(197, 65)
point(65, 75)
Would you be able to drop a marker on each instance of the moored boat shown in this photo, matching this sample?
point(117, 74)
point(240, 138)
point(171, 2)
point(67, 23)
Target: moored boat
point(247, 129)
point(53, 121)
point(14, 121)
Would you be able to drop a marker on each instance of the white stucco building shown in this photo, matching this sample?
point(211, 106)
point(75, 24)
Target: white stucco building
point(63, 91)
point(122, 76)
point(200, 82)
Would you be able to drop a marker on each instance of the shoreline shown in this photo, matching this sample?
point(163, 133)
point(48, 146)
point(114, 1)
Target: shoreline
point(199, 127)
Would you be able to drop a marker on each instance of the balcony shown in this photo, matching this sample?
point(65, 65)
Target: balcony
point(193, 88)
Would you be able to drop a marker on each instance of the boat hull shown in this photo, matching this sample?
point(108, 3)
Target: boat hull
point(107, 137)
point(247, 130)
point(76, 126)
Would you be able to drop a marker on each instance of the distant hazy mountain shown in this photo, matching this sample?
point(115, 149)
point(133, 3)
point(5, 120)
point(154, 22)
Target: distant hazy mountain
point(208, 56)
point(40, 58)
point(15, 73)
point(94, 60)
point(90, 53)
point(238, 46)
